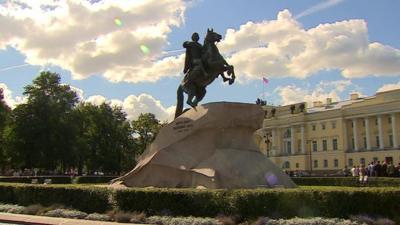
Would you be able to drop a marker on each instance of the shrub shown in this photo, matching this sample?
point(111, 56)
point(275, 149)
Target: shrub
point(34, 209)
point(66, 213)
point(93, 179)
point(138, 217)
point(274, 203)
point(252, 203)
point(166, 220)
point(183, 202)
point(41, 179)
point(93, 199)
point(98, 217)
point(122, 217)
point(312, 221)
point(227, 220)
point(9, 208)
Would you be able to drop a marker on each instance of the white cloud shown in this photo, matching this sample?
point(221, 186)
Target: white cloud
point(9, 100)
point(318, 7)
point(96, 99)
point(291, 94)
point(145, 103)
point(84, 37)
point(134, 105)
point(283, 48)
point(389, 87)
point(338, 85)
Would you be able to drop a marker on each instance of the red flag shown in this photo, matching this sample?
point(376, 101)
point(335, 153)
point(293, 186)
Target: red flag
point(265, 80)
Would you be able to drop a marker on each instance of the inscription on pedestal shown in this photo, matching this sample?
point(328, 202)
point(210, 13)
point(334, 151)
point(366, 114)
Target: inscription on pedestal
point(183, 126)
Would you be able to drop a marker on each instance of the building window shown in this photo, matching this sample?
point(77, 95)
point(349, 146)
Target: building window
point(286, 165)
point(289, 147)
point(313, 127)
point(391, 140)
point(362, 161)
point(377, 141)
point(297, 165)
point(325, 163)
point(324, 145)
point(336, 163)
point(353, 146)
point(323, 126)
point(315, 163)
point(333, 125)
point(365, 142)
point(363, 123)
point(314, 146)
point(390, 120)
point(376, 121)
point(350, 162)
point(334, 144)
point(352, 124)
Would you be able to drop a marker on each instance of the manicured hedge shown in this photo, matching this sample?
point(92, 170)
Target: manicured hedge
point(87, 199)
point(93, 179)
point(183, 202)
point(249, 203)
point(28, 179)
point(326, 202)
point(347, 181)
point(59, 179)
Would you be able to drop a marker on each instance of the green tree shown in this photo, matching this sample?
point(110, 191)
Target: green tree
point(5, 113)
point(41, 134)
point(105, 141)
point(145, 129)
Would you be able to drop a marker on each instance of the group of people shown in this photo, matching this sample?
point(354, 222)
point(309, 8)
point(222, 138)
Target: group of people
point(261, 102)
point(375, 169)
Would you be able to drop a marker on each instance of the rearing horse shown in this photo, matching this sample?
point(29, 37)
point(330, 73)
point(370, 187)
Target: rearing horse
point(195, 81)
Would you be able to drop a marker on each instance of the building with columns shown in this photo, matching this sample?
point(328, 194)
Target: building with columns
point(326, 137)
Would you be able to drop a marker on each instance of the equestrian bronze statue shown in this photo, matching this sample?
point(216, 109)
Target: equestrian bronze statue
point(203, 64)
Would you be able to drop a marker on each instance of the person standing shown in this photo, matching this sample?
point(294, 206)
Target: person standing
point(384, 169)
point(390, 169)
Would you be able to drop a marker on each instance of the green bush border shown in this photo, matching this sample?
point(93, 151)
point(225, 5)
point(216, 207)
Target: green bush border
point(41, 179)
point(249, 203)
point(59, 179)
point(87, 199)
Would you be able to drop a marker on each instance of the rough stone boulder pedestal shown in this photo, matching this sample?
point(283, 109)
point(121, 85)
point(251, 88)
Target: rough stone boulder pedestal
point(212, 146)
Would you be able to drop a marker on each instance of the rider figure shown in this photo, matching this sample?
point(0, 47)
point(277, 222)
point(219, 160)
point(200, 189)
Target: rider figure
point(193, 54)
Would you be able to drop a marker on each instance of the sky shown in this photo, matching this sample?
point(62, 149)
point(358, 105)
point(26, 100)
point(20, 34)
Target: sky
point(129, 52)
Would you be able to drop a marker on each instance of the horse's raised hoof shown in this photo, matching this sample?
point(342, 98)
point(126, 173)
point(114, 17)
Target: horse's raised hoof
point(231, 81)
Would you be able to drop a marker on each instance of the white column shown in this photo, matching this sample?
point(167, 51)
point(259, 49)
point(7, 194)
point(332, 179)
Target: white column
point(345, 136)
point(394, 130)
point(380, 132)
point(303, 140)
point(292, 132)
point(367, 133)
point(273, 142)
point(279, 149)
point(355, 134)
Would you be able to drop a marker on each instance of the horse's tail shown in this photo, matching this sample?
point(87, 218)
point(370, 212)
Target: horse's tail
point(179, 104)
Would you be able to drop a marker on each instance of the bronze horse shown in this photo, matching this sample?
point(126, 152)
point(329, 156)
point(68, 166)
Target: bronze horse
point(195, 81)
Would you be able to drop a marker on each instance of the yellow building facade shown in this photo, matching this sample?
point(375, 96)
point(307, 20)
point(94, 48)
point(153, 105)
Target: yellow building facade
point(326, 137)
